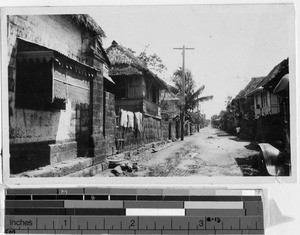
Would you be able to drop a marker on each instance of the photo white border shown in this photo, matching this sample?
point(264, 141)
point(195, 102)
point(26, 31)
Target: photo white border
point(140, 181)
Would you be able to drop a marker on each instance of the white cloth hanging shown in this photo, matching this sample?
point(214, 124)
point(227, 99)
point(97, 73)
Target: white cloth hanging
point(139, 121)
point(130, 116)
point(124, 118)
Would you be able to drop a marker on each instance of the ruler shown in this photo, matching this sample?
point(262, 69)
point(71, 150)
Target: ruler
point(133, 211)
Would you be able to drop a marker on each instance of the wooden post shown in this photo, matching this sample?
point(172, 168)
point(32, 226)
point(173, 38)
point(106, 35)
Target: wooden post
point(182, 119)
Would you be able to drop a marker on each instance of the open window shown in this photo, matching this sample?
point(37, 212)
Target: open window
point(264, 99)
point(45, 78)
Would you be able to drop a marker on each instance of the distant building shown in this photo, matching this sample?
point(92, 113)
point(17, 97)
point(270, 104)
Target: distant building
point(244, 108)
point(170, 110)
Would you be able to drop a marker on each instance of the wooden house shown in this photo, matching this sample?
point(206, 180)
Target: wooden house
point(55, 84)
point(265, 103)
point(271, 104)
point(137, 89)
point(245, 107)
point(277, 83)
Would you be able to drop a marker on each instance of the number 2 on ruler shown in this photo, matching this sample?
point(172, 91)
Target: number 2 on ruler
point(132, 223)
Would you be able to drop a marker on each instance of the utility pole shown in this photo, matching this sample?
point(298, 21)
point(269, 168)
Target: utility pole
point(183, 88)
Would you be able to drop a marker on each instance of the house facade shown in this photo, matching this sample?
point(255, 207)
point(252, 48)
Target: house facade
point(275, 128)
point(271, 106)
point(245, 108)
point(137, 90)
point(265, 103)
point(55, 77)
point(261, 109)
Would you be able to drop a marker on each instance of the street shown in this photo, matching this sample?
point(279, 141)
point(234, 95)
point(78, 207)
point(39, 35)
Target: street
point(210, 152)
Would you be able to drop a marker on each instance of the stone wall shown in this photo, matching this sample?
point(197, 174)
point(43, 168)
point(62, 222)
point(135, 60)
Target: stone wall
point(97, 138)
point(132, 138)
point(168, 128)
point(109, 123)
point(152, 129)
point(165, 127)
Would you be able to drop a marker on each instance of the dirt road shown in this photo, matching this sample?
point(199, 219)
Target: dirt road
point(210, 152)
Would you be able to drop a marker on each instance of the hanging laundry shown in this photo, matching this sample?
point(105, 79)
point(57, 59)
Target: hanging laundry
point(124, 118)
point(139, 121)
point(130, 116)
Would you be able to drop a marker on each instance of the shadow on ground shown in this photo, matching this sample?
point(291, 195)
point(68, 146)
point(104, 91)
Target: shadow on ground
point(222, 133)
point(252, 146)
point(239, 139)
point(252, 165)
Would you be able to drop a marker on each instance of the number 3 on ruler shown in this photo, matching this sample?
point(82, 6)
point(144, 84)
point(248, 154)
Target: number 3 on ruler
point(201, 223)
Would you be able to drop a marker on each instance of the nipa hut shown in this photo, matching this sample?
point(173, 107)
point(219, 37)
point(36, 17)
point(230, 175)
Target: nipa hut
point(137, 90)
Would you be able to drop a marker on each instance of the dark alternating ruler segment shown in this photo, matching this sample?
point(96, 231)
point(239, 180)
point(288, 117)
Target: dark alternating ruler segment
point(133, 211)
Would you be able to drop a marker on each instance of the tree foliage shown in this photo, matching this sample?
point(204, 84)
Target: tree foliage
point(152, 61)
point(189, 81)
point(192, 94)
point(215, 121)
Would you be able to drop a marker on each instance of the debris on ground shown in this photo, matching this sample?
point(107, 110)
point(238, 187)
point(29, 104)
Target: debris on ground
point(117, 171)
point(192, 155)
point(135, 166)
point(120, 166)
point(203, 154)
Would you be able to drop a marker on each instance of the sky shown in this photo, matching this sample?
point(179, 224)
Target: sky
point(232, 43)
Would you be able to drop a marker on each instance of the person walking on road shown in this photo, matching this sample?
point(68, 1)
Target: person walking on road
point(238, 131)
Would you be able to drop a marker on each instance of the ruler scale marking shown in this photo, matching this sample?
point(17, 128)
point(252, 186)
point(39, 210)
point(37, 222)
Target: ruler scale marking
point(232, 211)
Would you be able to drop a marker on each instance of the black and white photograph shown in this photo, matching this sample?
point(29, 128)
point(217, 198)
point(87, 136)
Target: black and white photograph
point(150, 91)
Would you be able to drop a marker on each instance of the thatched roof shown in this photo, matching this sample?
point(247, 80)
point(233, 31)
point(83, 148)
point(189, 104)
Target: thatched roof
point(124, 63)
point(270, 81)
point(250, 87)
point(89, 24)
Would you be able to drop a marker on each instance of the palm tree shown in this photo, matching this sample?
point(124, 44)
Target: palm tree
point(192, 96)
